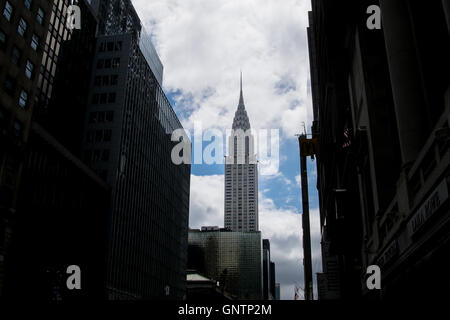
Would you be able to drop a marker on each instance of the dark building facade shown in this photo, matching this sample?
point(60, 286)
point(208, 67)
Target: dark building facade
point(61, 221)
point(56, 215)
point(65, 72)
point(268, 268)
point(99, 171)
point(23, 25)
point(381, 104)
point(127, 141)
point(272, 283)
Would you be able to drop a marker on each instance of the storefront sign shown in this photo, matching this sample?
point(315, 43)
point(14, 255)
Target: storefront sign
point(388, 254)
point(429, 207)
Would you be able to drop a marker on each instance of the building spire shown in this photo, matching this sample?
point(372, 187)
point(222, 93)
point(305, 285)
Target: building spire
point(241, 98)
point(240, 118)
point(241, 80)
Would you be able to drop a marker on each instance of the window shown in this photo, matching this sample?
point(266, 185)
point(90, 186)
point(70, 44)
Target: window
point(102, 47)
point(29, 69)
point(9, 171)
point(93, 117)
point(107, 135)
point(10, 85)
point(103, 98)
point(16, 54)
point(109, 116)
point(118, 46)
point(8, 11)
point(100, 63)
point(23, 99)
point(114, 79)
point(22, 27)
point(17, 129)
point(116, 63)
point(27, 4)
point(96, 155)
point(95, 98)
point(105, 81)
point(35, 42)
point(101, 117)
point(97, 81)
point(112, 97)
point(105, 155)
point(98, 136)
point(40, 16)
point(2, 41)
point(107, 63)
point(110, 46)
point(90, 136)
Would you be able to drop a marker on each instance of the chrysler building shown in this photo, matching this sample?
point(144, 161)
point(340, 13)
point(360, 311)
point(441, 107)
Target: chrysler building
point(241, 175)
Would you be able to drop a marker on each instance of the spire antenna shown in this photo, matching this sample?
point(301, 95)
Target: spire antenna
point(241, 80)
point(241, 98)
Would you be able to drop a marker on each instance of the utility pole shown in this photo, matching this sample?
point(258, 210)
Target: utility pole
point(306, 147)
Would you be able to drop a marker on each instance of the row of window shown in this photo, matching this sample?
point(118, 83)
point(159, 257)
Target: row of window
point(107, 80)
point(101, 117)
point(8, 12)
point(17, 126)
point(104, 98)
point(10, 87)
point(240, 221)
point(110, 46)
point(108, 63)
point(96, 155)
point(16, 56)
point(99, 136)
point(3, 41)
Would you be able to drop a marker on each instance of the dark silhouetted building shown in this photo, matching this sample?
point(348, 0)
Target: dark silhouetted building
point(277, 291)
point(381, 105)
point(61, 205)
point(272, 280)
point(268, 268)
point(127, 141)
point(99, 189)
point(23, 26)
point(64, 75)
point(61, 221)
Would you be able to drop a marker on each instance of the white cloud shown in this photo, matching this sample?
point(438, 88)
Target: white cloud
point(204, 43)
point(206, 201)
point(298, 179)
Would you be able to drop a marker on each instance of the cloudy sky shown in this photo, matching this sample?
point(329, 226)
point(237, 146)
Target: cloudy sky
point(203, 45)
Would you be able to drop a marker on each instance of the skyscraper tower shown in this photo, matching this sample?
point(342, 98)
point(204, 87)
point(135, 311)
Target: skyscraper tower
point(241, 175)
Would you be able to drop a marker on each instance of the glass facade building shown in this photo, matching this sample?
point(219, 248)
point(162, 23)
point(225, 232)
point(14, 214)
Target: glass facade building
point(231, 258)
point(127, 142)
point(118, 17)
